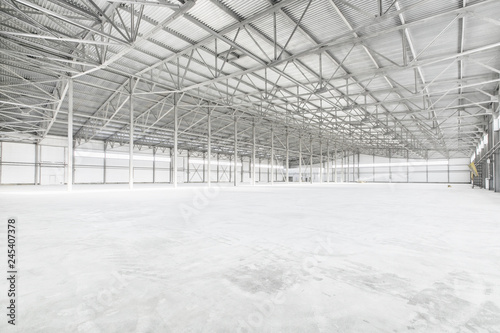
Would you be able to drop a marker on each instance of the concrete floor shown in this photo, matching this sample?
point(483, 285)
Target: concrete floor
point(298, 258)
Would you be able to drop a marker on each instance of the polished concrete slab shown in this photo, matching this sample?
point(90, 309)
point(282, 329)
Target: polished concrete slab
point(295, 258)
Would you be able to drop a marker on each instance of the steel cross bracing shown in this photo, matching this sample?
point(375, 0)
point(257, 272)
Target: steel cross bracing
point(312, 91)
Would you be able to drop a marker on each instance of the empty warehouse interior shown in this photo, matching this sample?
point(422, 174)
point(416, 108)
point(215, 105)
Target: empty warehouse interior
point(250, 166)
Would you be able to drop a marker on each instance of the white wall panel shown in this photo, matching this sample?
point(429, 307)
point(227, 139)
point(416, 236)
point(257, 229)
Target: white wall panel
point(213, 176)
point(143, 161)
point(52, 154)
point(438, 165)
point(162, 176)
point(18, 163)
point(18, 152)
point(88, 175)
point(399, 170)
point(162, 170)
point(50, 158)
point(462, 177)
point(366, 176)
point(418, 177)
point(18, 174)
point(382, 175)
point(87, 161)
point(438, 176)
point(52, 176)
point(116, 175)
point(115, 162)
point(143, 175)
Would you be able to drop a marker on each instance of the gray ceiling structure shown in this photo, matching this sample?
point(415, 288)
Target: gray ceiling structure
point(408, 78)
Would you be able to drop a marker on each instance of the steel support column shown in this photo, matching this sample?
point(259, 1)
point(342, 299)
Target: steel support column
point(242, 170)
point(104, 163)
point(311, 161)
point(154, 165)
point(342, 162)
point(1, 151)
point(353, 167)
point(272, 155)
point(131, 139)
point(250, 169)
point(373, 167)
point(235, 151)
point(188, 155)
point(37, 164)
point(448, 169)
point(407, 168)
point(253, 153)
point(348, 170)
point(287, 161)
point(494, 157)
point(358, 165)
point(70, 136)
point(268, 170)
point(260, 163)
point(390, 169)
point(174, 153)
point(171, 170)
point(320, 161)
point(209, 147)
point(427, 167)
point(327, 161)
point(335, 165)
point(300, 159)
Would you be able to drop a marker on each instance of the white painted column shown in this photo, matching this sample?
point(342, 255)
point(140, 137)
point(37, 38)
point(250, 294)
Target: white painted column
point(327, 161)
point(335, 164)
point(300, 159)
point(342, 160)
point(174, 153)
point(154, 165)
point(209, 148)
point(272, 155)
point(320, 161)
point(70, 136)
point(253, 152)
point(1, 149)
point(131, 140)
point(37, 164)
point(104, 168)
point(235, 178)
point(287, 161)
point(311, 161)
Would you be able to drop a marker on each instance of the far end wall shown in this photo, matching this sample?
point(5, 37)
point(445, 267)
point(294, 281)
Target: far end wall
point(369, 168)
